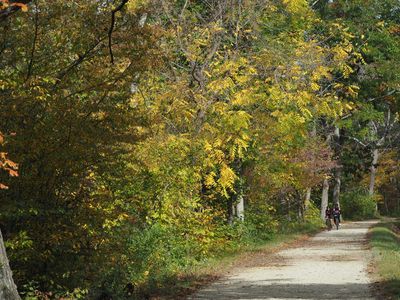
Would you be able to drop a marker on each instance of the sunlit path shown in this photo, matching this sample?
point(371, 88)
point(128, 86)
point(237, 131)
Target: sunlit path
point(332, 265)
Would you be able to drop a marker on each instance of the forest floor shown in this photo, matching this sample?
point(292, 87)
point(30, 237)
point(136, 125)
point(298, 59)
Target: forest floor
point(330, 265)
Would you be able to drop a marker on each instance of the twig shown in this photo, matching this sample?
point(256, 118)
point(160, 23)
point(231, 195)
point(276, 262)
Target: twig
point(35, 36)
point(110, 31)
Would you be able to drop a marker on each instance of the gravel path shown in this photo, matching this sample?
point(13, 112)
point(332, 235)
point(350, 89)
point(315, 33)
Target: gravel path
point(331, 265)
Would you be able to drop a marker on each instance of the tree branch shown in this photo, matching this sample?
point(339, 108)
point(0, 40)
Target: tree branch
point(357, 140)
point(35, 36)
point(110, 31)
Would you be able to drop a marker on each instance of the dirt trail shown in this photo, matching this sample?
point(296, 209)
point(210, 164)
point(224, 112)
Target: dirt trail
point(331, 265)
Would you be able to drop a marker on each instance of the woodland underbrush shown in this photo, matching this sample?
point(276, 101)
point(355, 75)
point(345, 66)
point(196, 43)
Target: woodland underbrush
point(357, 204)
point(168, 261)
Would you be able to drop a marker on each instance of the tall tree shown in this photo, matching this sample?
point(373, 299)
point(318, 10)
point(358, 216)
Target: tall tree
point(8, 289)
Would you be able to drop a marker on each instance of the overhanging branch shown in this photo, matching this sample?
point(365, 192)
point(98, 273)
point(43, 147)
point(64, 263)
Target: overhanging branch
point(110, 31)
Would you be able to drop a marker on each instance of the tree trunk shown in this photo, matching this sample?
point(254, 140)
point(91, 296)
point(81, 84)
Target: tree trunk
point(300, 211)
point(385, 199)
point(325, 198)
point(375, 157)
point(231, 211)
point(300, 206)
point(8, 290)
point(336, 188)
point(240, 208)
point(307, 198)
point(338, 170)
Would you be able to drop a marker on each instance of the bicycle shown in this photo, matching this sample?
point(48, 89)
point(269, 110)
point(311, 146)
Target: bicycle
point(328, 223)
point(336, 221)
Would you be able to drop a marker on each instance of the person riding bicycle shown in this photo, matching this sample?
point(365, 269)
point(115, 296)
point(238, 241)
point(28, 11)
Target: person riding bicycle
point(336, 213)
point(328, 217)
point(328, 213)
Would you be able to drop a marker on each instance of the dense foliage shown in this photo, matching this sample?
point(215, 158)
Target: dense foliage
point(142, 128)
point(358, 205)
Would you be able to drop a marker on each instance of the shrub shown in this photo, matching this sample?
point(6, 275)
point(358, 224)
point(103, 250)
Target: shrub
point(260, 222)
point(358, 205)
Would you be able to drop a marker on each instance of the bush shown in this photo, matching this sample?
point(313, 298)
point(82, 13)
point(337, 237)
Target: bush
point(260, 222)
point(151, 256)
point(358, 205)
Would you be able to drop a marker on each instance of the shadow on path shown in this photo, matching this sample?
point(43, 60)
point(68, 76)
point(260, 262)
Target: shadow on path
point(247, 290)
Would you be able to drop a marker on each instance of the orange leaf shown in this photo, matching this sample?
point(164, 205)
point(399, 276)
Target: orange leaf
point(3, 187)
point(11, 164)
point(4, 4)
point(23, 6)
point(13, 173)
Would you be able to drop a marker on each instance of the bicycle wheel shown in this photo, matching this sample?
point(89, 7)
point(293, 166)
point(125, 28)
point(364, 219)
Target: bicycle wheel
point(328, 224)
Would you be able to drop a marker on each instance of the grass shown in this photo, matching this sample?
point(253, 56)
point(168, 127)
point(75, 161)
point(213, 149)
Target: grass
point(385, 242)
point(189, 280)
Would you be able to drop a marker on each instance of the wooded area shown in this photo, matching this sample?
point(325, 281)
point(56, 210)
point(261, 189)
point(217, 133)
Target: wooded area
point(139, 137)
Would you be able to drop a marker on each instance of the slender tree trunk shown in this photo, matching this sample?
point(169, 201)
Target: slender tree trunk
point(336, 188)
point(8, 290)
point(375, 157)
point(289, 218)
point(300, 211)
point(300, 205)
point(338, 170)
point(231, 211)
point(239, 201)
point(325, 197)
point(240, 207)
point(325, 185)
point(385, 199)
point(307, 198)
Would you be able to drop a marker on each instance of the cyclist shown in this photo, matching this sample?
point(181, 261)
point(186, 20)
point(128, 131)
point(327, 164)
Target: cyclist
point(336, 215)
point(328, 217)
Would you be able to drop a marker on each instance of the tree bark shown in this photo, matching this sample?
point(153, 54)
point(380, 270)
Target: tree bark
point(8, 289)
point(307, 198)
point(239, 200)
point(231, 211)
point(289, 218)
point(375, 157)
point(325, 198)
point(338, 170)
point(336, 188)
point(240, 208)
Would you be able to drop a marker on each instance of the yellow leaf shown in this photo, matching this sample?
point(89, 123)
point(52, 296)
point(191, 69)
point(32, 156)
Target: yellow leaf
point(314, 86)
point(348, 106)
point(207, 146)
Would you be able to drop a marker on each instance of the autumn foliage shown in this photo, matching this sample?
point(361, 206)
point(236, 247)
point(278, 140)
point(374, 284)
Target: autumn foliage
point(141, 127)
point(6, 165)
